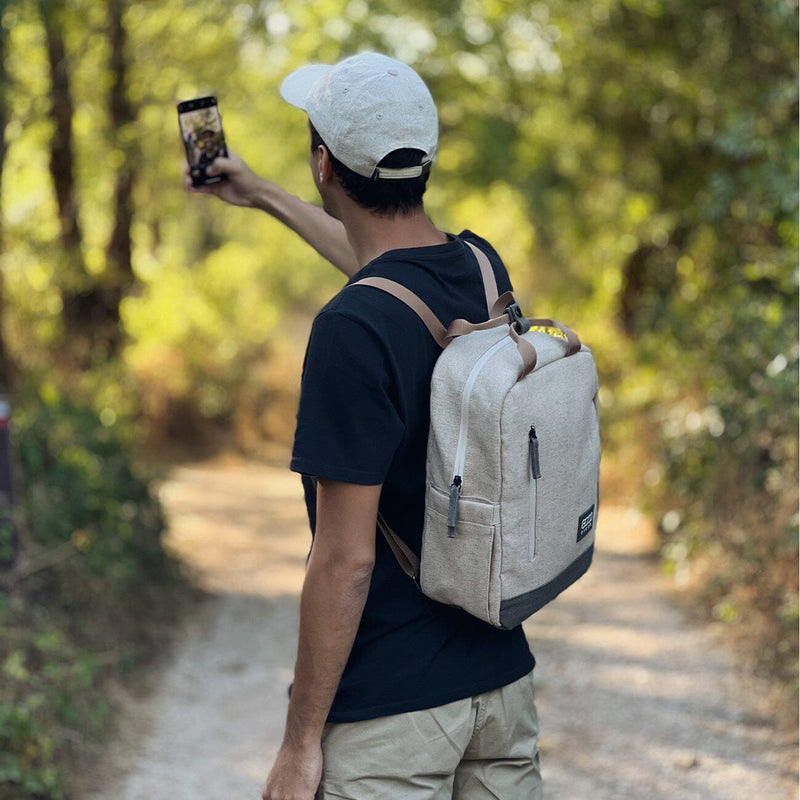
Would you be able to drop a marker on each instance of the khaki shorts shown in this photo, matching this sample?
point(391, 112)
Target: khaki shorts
point(481, 748)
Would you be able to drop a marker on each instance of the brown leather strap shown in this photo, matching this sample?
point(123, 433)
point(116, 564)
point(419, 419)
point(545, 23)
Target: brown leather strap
point(460, 327)
point(406, 557)
point(573, 342)
point(526, 350)
point(494, 305)
point(501, 304)
point(437, 330)
point(487, 274)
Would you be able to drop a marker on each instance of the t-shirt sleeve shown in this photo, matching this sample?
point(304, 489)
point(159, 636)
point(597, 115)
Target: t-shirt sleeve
point(348, 427)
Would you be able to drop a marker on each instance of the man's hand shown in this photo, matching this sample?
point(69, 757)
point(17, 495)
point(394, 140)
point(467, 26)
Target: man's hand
point(295, 775)
point(240, 189)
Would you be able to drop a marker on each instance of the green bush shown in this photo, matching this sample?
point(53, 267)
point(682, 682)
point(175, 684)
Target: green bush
point(81, 487)
point(727, 495)
point(81, 602)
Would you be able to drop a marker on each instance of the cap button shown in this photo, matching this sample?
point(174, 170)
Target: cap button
point(393, 72)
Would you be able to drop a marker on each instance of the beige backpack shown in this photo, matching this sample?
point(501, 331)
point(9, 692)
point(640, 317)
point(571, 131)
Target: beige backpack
point(513, 461)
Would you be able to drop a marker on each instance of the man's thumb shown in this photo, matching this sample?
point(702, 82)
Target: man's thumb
point(219, 165)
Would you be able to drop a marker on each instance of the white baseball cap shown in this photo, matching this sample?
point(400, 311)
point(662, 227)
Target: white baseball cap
point(366, 107)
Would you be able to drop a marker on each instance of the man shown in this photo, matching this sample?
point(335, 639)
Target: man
point(395, 696)
point(209, 148)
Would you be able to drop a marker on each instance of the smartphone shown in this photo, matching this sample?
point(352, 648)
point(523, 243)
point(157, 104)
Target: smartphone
point(201, 130)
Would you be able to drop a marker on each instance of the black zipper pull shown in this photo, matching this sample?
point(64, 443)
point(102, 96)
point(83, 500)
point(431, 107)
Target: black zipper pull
point(536, 472)
point(452, 513)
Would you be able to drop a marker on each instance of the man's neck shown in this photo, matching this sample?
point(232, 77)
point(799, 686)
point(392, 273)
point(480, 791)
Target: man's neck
point(371, 235)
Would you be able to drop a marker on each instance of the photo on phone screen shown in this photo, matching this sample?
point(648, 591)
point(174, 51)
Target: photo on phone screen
point(201, 129)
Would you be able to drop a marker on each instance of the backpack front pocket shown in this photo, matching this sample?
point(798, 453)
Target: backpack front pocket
point(461, 569)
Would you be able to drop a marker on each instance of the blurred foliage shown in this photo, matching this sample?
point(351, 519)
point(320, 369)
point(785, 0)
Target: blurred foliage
point(82, 489)
point(88, 595)
point(635, 161)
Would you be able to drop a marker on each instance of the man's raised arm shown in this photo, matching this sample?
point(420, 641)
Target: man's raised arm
point(244, 188)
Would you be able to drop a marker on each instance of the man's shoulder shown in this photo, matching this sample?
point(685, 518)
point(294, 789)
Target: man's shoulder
point(450, 258)
point(444, 277)
point(484, 244)
point(352, 312)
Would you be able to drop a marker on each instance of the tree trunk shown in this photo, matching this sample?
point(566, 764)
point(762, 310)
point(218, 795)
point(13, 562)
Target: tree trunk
point(90, 307)
point(634, 280)
point(61, 111)
point(77, 292)
point(123, 115)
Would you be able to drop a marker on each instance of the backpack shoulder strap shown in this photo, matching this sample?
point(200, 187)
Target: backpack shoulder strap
point(405, 556)
point(432, 323)
point(487, 274)
point(423, 311)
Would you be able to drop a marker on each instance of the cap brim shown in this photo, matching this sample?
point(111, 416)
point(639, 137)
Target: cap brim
point(297, 85)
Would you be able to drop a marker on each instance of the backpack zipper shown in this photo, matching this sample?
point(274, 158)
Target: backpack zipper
point(461, 448)
point(536, 473)
point(452, 512)
point(533, 442)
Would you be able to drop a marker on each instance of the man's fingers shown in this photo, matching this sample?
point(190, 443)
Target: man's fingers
point(221, 164)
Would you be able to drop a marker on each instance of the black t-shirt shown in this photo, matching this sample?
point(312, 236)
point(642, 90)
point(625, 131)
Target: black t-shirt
point(363, 418)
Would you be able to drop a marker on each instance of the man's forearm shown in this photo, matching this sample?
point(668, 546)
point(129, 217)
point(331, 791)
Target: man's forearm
point(332, 602)
point(330, 611)
point(244, 188)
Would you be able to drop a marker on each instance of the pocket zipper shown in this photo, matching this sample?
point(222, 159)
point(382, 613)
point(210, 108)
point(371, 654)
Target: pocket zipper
point(533, 441)
point(536, 473)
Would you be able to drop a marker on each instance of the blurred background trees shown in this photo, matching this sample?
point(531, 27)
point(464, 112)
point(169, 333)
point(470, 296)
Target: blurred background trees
point(635, 161)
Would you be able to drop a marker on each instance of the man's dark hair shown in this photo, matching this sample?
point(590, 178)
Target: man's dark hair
point(386, 197)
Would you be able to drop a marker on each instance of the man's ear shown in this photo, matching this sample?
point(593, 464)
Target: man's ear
point(324, 166)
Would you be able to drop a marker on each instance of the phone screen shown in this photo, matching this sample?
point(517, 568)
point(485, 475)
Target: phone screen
point(201, 130)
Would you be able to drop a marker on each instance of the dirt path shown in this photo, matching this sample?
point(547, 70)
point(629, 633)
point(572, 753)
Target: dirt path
point(635, 702)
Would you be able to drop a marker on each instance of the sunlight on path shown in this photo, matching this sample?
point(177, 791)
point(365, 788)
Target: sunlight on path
point(242, 528)
point(635, 703)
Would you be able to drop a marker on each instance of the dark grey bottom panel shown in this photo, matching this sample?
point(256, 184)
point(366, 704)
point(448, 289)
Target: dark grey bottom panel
point(519, 608)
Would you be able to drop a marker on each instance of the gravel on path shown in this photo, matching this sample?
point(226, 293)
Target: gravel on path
point(636, 702)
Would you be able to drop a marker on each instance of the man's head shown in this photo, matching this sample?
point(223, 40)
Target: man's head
point(378, 121)
point(208, 141)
